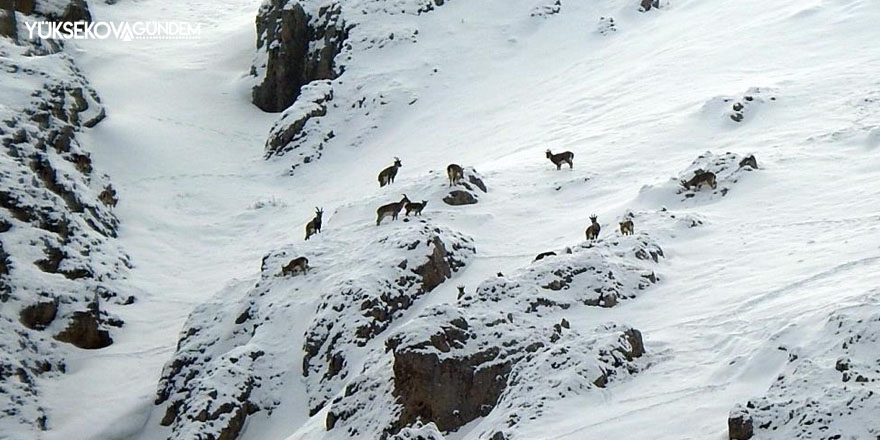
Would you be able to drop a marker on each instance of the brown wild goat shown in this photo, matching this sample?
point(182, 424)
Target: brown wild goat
point(416, 207)
point(391, 209)
point(700, 177)
point(626, 227)
point(300, 264)
point(594, 228)
point(561, 158)
point(455, 173)
point(388, 174)
point(314, 226)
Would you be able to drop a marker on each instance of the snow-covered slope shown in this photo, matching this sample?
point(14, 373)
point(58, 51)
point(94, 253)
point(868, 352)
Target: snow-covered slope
point(760, 305)
point(62, 271)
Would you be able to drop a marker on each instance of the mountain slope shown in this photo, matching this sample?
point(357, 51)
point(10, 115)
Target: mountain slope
point(492, 86)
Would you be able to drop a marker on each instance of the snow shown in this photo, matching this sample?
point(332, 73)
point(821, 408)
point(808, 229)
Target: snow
point(488, 85)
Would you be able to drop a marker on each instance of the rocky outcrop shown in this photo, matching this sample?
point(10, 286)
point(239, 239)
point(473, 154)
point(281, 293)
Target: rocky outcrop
point(85, 329)
point(349, 319)
point(226, 366)
point(8, 23)
point(303, 48)
point(61, 270)
point(293, 129)
point(63, 10)
point(458, 197)
point(728, 169)
point(739, 108)
point(828, 389)
point(646, 5)
point(298, 47)
point(739, 424)
point(468, 194)
point(502, 353)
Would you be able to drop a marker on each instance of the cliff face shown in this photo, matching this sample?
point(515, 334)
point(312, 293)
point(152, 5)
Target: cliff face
point(297, 47)
point(303, 48)
point(300, 41)
point(61, 271)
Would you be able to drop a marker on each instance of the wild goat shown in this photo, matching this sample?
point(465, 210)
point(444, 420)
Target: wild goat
point(626, 227)
point(594, 228)
point(300, 264)
point(543, 255)
point(700, 177)
point(461, 292)
point(391, 209)
point(561, 158)
point(314, 226)
point(750, 162)
point(416, 207)
point(455, 173)
point(388, 174)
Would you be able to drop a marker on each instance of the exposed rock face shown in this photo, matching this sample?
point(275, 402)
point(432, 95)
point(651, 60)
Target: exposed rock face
point(38, 316)
point(84, 330)
point(303, 48)
point(64, 10)
point(299, 48)
point(8, 25)
point(225, 370)
point(348, 321)
point(829, 389)
point(739, 424)
point(58, 256)
point(500, 353)
point(290, 130)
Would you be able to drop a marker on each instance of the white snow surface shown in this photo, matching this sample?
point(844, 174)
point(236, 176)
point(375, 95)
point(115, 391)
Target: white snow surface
point(489, 85)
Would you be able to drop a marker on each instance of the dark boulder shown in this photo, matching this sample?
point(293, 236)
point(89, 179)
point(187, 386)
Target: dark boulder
point(740, 425)
point(38, 316)
point(458, 197)
point(8, 24)
point(646, 5)
point(84, 330)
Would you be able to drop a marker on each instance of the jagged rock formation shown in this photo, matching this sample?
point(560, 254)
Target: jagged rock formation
point(299, 47)
point(225, 368)
point(500, 352)
point(826, 390)
point(60, 267)
point(302, 48)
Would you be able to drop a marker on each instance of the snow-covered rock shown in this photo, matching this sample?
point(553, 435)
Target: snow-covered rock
point(60, 266)
point(299, 41)
point(829, 389)
point(303, 46)
point(231, 359)
point(505, 350)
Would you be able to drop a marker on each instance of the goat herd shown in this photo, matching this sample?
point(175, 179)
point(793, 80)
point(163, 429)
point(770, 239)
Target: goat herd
point(455, 173)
